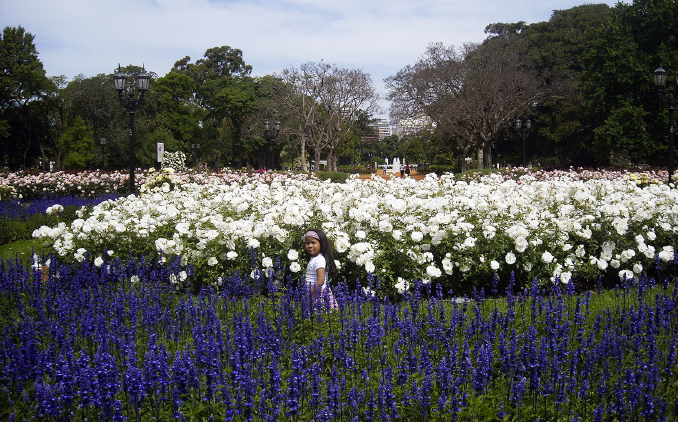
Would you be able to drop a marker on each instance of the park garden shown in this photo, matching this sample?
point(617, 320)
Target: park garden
point(515, 295)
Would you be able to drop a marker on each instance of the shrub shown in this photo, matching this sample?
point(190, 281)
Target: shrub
point(335, 177)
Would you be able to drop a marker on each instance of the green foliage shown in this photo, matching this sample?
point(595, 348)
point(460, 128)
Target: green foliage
point(223, 96)
point(22, 77)
point(625, 131)
point(23, 85)
point(555, 49)
point(177, 113)
point(415, 150)
point(334, 177)
point(76, 145)
point(7, 192)
point(96, 102)
point(621, 101)
point(12, 230)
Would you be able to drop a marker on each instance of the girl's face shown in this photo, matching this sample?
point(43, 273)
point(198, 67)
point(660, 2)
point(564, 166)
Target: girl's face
point(312, 246)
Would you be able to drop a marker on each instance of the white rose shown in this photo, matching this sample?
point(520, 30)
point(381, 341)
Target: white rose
point(212, 261)
point(295, 267)
point(625, 274)
point(232, 255)
point(510, 258)
point(521, 244)
point(292, 255)
point(649, 253)
point(494, 265)
point(433, 271)
point(547, 257)
point(369, 267)
point(401, 285)
point(368, 292)
point(417, 236)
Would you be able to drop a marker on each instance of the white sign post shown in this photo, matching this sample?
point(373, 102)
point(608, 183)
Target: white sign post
point(161, 151)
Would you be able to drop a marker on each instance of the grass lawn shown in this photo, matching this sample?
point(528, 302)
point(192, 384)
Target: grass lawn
point(22, 248)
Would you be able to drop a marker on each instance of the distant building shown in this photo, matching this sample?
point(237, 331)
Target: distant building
point(414, 125)
point(382, 128)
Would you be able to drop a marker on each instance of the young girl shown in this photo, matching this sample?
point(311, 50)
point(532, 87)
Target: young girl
point(320, 267)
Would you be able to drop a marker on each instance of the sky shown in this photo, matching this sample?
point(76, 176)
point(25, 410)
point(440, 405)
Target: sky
point(380, 37)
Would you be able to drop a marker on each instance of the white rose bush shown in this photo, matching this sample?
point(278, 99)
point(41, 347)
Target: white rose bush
point(454, 233)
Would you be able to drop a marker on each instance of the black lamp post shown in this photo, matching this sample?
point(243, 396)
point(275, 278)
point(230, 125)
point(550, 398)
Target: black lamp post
point(660, 76)
point(131, 104)
point(271, 137)
point(523, 133)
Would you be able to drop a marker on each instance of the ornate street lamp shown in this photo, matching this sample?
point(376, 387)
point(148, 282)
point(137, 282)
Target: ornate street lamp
point(131, 104)
point(523, 133)
point(271, 137)
point(660, 76)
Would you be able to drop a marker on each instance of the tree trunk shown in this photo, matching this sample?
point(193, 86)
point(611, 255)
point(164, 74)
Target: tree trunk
point(316, 165)
point(481, 158)
point(331, 160)
point(488, 155)
point(304, 166)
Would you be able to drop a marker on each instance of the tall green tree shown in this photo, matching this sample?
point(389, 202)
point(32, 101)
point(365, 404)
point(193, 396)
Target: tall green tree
point(617, 84)
point(177, 112)
point(226, 94)
point(95, 101)
point(23, 85)
point(76, 145)
point(555, 49)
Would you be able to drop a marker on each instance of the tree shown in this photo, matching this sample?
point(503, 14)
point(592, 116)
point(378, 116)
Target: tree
point(226, 94)
point(556, 48)
point(76, 145)
point(95, 101)
point(22, 84)
point(621, 102)
point(471, 93)
point(326, 101)
point(278, 151)
point(177, 114)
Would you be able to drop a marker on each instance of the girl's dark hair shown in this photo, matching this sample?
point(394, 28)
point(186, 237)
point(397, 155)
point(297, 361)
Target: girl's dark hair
point(326, 250)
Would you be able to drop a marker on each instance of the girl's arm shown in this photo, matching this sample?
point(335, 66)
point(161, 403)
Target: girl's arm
point(320, 272)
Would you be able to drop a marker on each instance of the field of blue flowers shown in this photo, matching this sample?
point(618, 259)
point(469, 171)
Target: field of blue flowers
point(119, 342)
